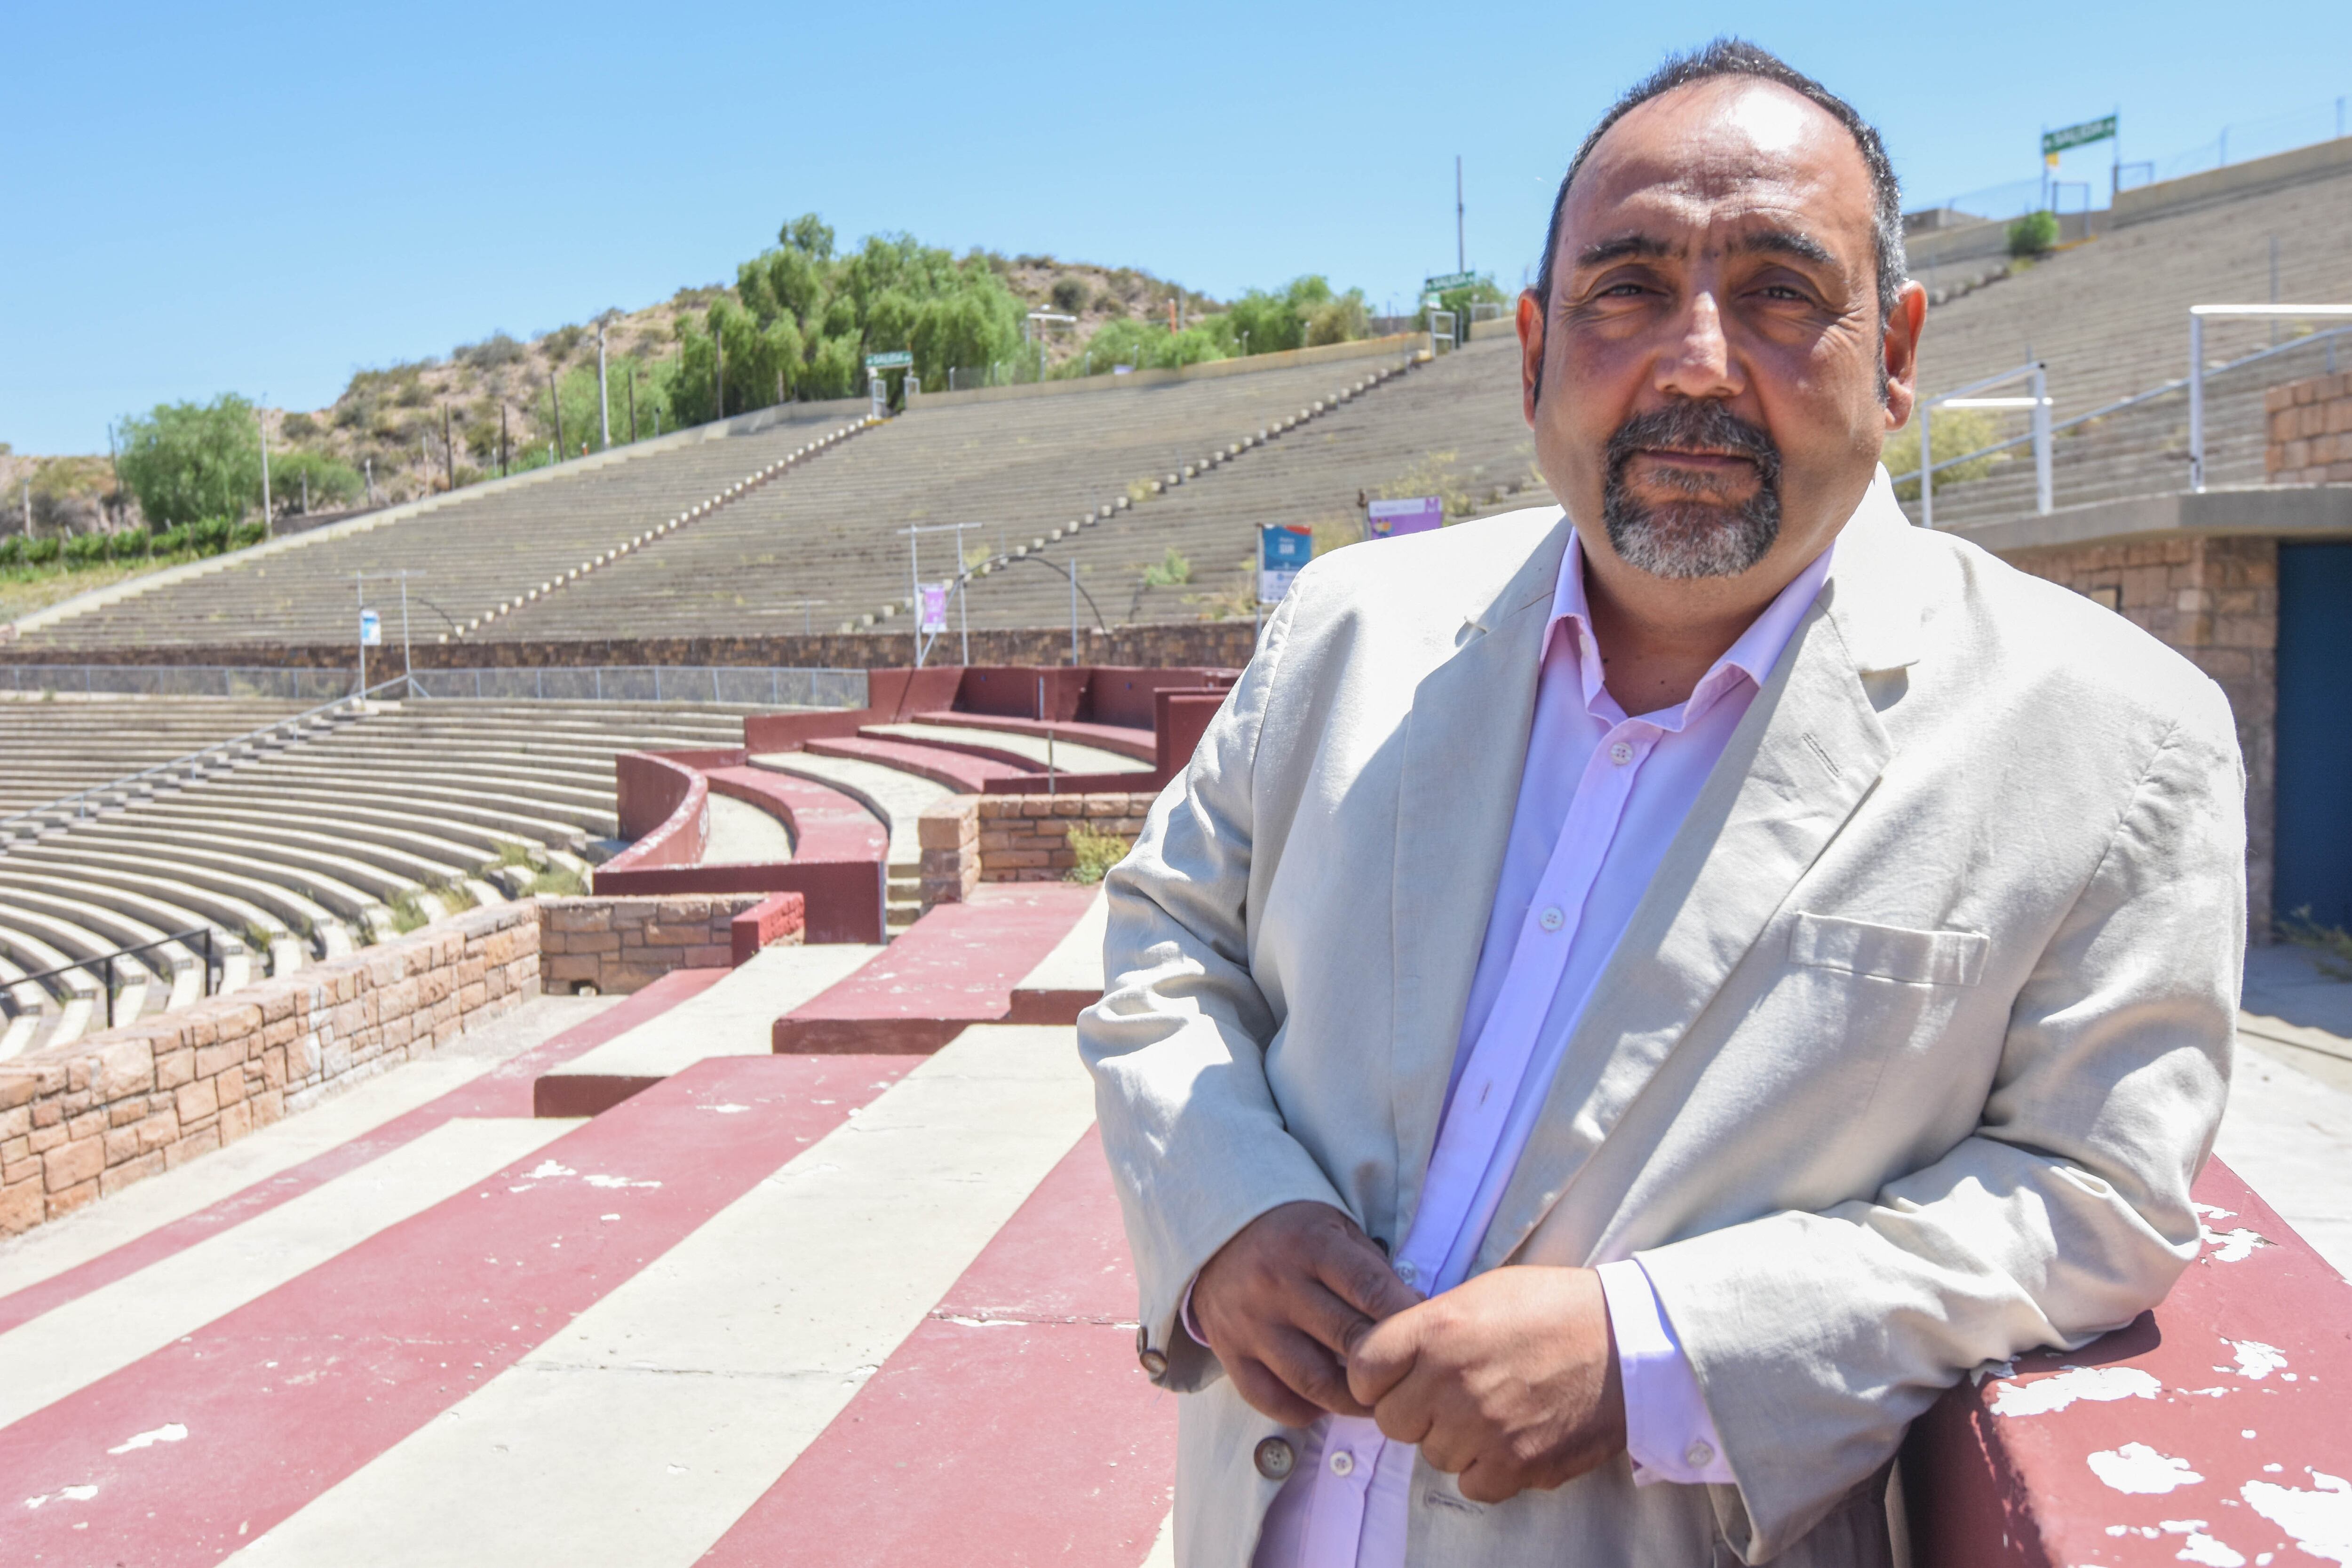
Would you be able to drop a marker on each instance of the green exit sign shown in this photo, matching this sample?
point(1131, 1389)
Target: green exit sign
point(2056, 141)
point(898, 360)
point(1444, 280)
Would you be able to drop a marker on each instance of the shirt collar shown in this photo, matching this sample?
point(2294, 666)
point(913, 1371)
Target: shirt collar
point(1757, 649)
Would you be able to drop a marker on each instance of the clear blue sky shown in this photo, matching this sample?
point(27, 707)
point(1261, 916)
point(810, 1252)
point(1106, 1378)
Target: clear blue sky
point(264, 197)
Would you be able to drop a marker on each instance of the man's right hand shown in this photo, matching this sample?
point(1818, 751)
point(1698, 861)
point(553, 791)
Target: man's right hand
point(1284, 1301)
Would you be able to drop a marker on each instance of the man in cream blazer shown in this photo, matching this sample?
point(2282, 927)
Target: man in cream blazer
point(1908, 1051)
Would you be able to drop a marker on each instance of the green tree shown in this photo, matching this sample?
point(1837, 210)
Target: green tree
point(331, 482)
point(190, 460)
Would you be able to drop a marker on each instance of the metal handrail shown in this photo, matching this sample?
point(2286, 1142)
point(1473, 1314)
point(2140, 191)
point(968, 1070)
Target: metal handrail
point(2197, 314)
point(2037, 376)
point(2150, 395)
point(40, 813)
point(107, 960)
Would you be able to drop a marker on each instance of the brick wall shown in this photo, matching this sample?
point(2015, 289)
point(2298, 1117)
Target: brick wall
point(2216, 601)
point(1024, 837)
point(2310, 431)
point(948, 831)
point(616, 945)
point(118, 1107)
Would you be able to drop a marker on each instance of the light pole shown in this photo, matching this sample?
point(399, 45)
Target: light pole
point(603, 389)
point(261, 422)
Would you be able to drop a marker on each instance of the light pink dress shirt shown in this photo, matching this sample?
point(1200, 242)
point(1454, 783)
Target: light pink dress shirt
point(1600, 798)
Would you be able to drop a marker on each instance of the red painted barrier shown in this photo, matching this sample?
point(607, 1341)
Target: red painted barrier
point(2212, 1430)
point(663, 804)
point(765, 924)
point(1179, 719)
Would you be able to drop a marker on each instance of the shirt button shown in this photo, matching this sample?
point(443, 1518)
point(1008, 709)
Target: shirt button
point(1274, 1459)
point(1700, 1455)
point(1406, 1271)
point(1154, 1364)
point(1343, 1463)
point(1621, 753)
point(1551, 918)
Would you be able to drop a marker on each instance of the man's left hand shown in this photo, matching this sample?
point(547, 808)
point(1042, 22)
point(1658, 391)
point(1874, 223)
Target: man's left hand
point(1508, 1381)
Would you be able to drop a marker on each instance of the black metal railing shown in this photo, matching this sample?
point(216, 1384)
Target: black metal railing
point(105, 964)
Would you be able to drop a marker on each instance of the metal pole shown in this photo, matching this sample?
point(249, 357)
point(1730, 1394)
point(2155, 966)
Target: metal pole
point(448, 453)
point(502, 439)
point(633, 403)
point(719, 371)
point(408, 667)
point(359, 586)
point(2195, 401)
point(2039, 384)
point(2275, 326)
point(1927, 469)
point(555, 402)
point(915, 587)
point(1460, 264)
point(603, 392)
point(1073, 570)
point(963, 604)
point(262, 424)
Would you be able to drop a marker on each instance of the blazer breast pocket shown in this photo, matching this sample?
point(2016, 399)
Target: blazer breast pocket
point(1889, 952)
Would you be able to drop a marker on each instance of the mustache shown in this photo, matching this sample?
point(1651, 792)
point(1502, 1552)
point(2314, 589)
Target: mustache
point(1693, 425)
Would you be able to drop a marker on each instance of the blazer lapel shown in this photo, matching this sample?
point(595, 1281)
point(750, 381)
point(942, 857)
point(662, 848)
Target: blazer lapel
point(1466, 745)
point(1802, 759)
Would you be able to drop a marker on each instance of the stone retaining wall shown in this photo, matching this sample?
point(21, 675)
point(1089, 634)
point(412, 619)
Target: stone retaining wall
point(2216, 601)
point(118, 1107)
point(1211, 643)
point(2309, 430)
point(1025, 837)
point(616, 945)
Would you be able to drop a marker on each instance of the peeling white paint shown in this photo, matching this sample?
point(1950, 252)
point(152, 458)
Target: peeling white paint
point(616, 1182)
point(2207, 1211)
point(549, 1169)
point(2138, 1469)
point(171, 1432)
point(2320, 1521)
point(2231, 1245)
point(2199, 1547)
point(729, 1110)
point(63, 1494)
point(2101, 1384)
point(2256, 1361)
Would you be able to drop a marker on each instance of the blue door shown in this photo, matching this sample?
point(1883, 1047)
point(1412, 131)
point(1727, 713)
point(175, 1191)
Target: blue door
point(2315, 733)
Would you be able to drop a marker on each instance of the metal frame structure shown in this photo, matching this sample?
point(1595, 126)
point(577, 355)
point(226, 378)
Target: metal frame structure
point(104, 962)
point(2198, 371)
point(2036, 375)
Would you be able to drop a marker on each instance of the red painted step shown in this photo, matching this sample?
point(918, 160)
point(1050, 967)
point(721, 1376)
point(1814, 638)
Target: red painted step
point(964, 773)
point(955, 967)
point(285, 1397)
point(504, 1091)
point(1011, 1427)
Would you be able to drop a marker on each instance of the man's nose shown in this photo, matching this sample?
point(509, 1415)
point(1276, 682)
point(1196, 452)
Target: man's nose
point(1695, 363)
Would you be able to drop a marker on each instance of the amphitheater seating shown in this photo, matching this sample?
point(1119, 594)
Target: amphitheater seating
point(2110, 318)
point(478, 549)
point(1019, 470)
point(296, 852)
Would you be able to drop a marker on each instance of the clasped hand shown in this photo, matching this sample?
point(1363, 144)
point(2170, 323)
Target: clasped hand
point(1508, 1382)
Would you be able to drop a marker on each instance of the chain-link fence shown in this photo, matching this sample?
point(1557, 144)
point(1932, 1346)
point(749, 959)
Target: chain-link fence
point(745, 687)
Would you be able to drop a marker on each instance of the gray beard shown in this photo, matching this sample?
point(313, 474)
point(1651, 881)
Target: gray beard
point(1691, 538)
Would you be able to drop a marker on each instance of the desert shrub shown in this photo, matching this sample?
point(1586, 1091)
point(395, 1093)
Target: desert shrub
point(1071, 294)
point(244, 533)
point(1169, 571)
point(298, 427)
point(85, 550)
point(333, 482)
point(1097, 853)
point(560, 342)
point(12, 550)
point(2035, 234)
point(42, 552)
point(1957, 430)
point(171, 541)
point(492, 353)
point(209, 535)
point(129, 545)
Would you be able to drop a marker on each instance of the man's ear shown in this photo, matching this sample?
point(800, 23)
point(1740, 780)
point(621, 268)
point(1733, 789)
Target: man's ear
point(1532, 351)
point(1899, 346)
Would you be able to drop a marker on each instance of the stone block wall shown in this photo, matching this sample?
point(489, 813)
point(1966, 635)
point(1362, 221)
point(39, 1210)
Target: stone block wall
point(2216, 601)
point(611, 945)
point(1025, 837)
point(118, 1107)
point(2309, 431)
point(948, 831)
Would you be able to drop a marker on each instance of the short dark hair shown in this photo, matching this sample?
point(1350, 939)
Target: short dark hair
point(1736, 57)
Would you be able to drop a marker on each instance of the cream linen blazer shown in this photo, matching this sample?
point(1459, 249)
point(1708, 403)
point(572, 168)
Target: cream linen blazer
point(1904, 1063)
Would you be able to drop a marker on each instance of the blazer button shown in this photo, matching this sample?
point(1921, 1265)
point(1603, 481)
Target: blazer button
point(1274, 1459)
point(1153, 1363)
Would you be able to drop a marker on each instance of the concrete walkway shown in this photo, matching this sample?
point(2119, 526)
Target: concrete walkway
point(897, 798)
